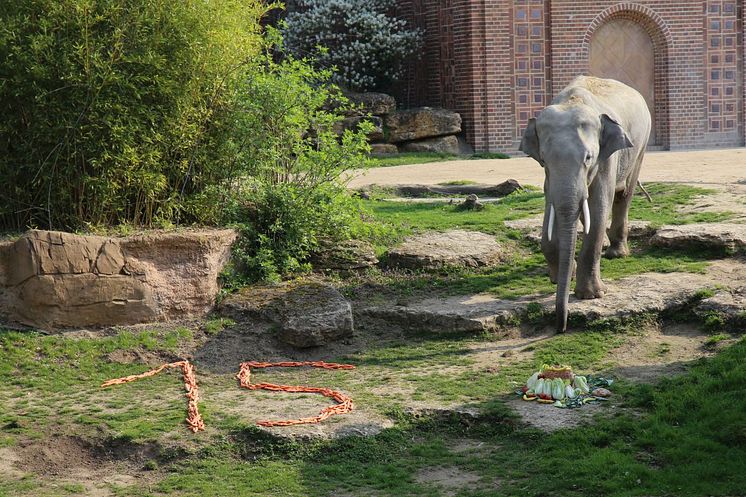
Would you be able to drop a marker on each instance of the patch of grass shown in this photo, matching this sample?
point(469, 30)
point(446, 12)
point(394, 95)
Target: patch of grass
point(408, 217)
point(406, 158)
point(215, 325)
point(716, 339)
point(458, 182)
point(702, 413)
point(682, 440)
point(58, 376)
point(535, 313)
point(666, 207)
point(524, 273)
point(713, 321)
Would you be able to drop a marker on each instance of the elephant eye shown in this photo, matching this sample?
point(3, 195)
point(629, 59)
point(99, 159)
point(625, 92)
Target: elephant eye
point(588, 157)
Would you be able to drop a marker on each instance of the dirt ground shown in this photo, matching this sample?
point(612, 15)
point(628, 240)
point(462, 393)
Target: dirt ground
point(716, 166)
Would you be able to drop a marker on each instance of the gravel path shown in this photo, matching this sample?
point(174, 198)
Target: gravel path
point(715, 166)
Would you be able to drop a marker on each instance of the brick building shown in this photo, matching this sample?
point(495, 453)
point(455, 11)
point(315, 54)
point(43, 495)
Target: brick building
point(498, 62)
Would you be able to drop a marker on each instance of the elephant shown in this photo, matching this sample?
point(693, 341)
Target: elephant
point(590, 140)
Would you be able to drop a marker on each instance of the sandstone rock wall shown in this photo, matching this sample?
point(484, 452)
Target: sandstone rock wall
point(421, 129)
point(51, 279)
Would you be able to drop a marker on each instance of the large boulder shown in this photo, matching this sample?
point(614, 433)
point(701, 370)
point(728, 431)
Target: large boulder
point(383, 149)
point(352, 123)
point(51, 279)
point(377, 104)
point(421, 122)
point(715, 235)
point(442, 145)
point(451, 248)
point(729, 304)
point(307, 314)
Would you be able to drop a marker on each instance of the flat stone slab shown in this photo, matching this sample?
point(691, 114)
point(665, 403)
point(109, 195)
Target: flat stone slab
point(483, 190)
point(450, 248)
point(646, 293)
point(728, 303)
point(718, 235)
point(308, 314)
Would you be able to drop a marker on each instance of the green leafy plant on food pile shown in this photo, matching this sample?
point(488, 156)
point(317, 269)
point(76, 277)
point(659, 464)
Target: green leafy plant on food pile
point(359, 38)
point(118, 112)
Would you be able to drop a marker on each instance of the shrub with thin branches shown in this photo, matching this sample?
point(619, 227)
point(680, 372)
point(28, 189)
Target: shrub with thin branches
point(365, 44)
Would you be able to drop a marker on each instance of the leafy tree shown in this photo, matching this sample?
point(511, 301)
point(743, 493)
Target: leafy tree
point(359, 38)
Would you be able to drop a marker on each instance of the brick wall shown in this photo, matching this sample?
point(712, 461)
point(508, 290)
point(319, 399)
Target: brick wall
point(498, 62)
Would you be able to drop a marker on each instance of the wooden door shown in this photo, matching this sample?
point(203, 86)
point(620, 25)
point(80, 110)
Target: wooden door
point(621, 49)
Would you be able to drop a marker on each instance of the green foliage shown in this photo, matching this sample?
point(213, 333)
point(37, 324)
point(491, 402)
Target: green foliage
point(535, 313)
point(667, 204)
point(292, 193)
point(117, 111)
point(713, 321)
point(716, 339)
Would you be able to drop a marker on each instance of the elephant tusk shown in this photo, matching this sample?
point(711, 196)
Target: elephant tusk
point(550, 226)
point(586, 217)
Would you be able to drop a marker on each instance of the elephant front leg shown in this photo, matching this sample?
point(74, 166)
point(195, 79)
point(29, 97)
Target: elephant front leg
point(550, 249)
point(589, 284)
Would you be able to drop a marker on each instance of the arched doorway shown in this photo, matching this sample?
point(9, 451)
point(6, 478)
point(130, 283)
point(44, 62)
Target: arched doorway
point(622, 49)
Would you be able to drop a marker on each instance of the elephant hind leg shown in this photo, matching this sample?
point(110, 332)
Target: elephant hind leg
point(619, 215)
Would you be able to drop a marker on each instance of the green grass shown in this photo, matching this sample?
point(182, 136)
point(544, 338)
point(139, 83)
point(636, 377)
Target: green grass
point(407, 158)
point(524, 272)
point(702, 413)
point(683, 437)
point(58, 375)
point(668, 199)
point(410, 217)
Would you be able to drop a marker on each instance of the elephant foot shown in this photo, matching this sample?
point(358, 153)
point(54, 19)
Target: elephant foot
point(617, 250)
point(554, 272)
point(590, 290)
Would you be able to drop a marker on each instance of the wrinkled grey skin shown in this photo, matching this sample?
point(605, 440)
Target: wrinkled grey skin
point(590, 140)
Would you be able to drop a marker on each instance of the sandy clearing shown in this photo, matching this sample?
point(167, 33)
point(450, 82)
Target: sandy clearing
point(714, 166)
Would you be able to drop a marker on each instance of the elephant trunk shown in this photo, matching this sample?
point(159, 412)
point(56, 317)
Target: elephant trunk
point(567, 219)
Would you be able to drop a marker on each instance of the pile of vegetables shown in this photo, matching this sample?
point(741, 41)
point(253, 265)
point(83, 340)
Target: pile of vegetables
point(558, 385)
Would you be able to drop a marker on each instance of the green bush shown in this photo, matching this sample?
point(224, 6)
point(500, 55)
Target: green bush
point(366, 45)
point(293, 191)
point(118, 111)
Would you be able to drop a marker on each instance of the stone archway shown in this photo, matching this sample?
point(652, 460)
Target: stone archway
point(621, 49)
point(627, 34)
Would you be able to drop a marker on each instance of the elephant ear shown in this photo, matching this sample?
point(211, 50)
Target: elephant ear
point(530, 141)
point(613, 138)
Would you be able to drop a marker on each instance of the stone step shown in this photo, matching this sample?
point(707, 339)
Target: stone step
point(717, 235)
point(654, 293)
